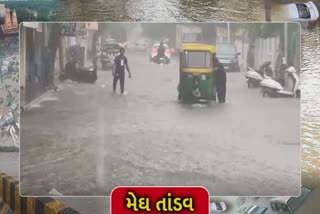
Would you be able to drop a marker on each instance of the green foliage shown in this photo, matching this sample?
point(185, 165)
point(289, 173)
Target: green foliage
point(24, 15)
point(260, 30)
point(43, 9)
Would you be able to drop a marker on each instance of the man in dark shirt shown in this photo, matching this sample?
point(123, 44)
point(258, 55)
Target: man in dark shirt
point(221, 80)
point(118, 72)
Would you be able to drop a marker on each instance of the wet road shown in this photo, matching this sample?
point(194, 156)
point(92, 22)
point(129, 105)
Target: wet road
point(83, 140)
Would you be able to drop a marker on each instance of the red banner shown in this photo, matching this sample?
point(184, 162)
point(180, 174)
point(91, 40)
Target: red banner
point(160, 200)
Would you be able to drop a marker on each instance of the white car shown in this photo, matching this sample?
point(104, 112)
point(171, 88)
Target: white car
point(307, 11)
point(218, 207)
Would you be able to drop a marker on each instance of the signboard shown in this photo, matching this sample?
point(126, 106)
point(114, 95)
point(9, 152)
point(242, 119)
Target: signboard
point(69, 29)
point(81, 29)
point(35, 25)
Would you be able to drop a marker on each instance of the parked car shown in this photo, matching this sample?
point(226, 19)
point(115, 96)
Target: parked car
point(290, 204)
point(154, 52)
point(228, 56)
point(307, 11)
point(256, 210)
point(108, 52)
point(218, 207)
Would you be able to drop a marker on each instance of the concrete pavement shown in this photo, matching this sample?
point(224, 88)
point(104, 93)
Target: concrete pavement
point(83, 140)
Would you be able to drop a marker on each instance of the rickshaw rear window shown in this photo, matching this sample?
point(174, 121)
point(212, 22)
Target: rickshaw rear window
point(197, 59)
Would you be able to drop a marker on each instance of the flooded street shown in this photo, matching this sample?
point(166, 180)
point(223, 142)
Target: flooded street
point(148, 138)
point(310, 108)
point(161, 10)
point(182, 10)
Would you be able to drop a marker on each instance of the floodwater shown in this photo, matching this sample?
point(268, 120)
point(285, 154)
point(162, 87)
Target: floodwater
point(218, 10)
point(161, 10)
point(310, 108)
point(168, 10)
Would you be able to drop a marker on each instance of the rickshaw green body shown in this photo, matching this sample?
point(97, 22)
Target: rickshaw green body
point(196, 80)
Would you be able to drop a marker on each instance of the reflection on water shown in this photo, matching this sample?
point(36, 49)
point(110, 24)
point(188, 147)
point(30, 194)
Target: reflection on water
point(310, 108)
point(161, 10)
point(169, 10)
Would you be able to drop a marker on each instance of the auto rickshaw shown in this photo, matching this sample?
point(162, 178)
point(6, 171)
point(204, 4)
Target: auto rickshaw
point(197, 67)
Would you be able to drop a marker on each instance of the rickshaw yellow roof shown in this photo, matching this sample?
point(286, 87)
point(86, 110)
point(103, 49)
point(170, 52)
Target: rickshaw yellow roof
point(199, 47)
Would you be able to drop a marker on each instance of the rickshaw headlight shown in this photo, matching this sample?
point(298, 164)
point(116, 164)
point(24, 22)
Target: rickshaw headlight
point(203, 77)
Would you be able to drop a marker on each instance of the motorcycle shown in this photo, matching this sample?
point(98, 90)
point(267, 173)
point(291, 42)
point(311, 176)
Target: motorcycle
point(79, 74)
point(272, 88)
point(161, 60)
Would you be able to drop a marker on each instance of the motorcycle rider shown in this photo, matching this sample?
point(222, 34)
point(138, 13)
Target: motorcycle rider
point(118, 71)
point(161, 51)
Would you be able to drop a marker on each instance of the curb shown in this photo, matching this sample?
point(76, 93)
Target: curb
point(36, 100)
point(12, 202)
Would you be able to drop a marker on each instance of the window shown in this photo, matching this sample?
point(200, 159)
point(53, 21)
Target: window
point(303, 11)
point(197, 59)
point(111, 48)
point(226, 49)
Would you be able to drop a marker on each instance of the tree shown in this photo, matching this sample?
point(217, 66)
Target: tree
point(267, 8)
point(24, 15)
point(263, 30)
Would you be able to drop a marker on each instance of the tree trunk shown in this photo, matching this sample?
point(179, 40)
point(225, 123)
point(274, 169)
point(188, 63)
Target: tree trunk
point(267, 8)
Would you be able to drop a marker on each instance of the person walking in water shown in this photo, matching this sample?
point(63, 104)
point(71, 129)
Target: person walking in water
point(118, 71)
point(221, 80)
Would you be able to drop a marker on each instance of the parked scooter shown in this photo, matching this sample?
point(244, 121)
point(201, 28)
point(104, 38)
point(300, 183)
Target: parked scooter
point(254, 77)
point(272, 88)
point(78, 74)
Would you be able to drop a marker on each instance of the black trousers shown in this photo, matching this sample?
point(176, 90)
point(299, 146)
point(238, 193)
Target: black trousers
point(118, 76)
point(221, 92)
